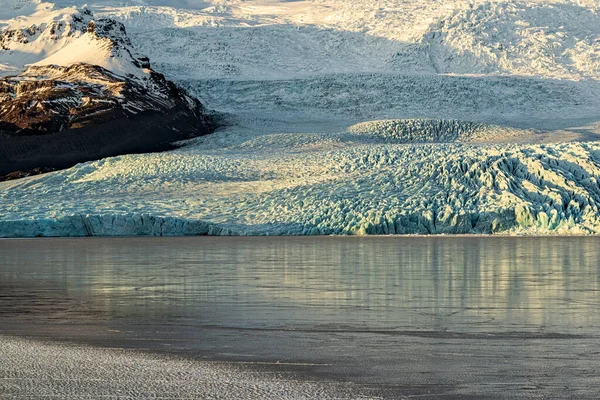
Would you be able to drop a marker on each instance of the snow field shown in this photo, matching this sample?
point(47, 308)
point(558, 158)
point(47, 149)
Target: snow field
point(277, 40)
point(237, 40)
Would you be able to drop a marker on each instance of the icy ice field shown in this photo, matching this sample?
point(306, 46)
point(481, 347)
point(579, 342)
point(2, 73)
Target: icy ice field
point(362, 117)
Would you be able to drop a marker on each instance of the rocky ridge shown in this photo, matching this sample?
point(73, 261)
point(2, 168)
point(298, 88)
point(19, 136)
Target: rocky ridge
point(91, 99)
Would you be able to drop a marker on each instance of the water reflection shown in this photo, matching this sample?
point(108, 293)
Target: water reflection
point(439, 284)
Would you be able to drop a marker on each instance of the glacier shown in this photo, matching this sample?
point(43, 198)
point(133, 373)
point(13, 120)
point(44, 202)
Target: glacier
point(309, 184)
point(351, 118)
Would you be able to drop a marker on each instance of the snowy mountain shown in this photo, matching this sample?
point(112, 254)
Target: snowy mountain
point(341, 117)
point(105, 44)
point(31, 31)
point(91, 98)
point(550, 39)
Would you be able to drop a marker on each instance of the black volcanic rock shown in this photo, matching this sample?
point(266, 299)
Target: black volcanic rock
point(50, 99)
point(56, 116)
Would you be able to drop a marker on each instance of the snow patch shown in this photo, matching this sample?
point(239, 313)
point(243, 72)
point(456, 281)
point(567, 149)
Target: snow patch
point(95, 50)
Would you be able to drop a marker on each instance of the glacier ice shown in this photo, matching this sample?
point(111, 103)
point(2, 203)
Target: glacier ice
point(341, 185)
point(438, 131)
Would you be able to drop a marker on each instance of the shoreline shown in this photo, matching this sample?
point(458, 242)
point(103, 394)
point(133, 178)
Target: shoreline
point(416, 236)
point(32, 367)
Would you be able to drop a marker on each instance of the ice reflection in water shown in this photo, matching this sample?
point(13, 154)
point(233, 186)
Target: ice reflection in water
point(464, 284)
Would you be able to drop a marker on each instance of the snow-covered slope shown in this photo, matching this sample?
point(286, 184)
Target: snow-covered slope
point(351, 117)
point(65, 37)
point(103, 44)
point(31, 31)
point(554, 39)
point(560, 40)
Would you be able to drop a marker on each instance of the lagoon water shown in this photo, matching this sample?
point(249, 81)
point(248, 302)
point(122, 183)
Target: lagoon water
point(440, 316)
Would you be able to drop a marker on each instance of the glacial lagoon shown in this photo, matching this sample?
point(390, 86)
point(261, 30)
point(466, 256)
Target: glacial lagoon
point(445, 316)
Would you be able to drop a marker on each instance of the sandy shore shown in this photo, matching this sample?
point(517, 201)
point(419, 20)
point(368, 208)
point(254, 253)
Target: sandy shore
point(34, 369)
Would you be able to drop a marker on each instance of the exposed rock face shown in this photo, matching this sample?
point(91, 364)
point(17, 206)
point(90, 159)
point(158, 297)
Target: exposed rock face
point(50, 99)
point(56, 114)
point(54, 117)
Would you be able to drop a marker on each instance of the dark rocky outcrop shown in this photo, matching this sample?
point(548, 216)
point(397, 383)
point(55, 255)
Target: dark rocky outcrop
point(55, 117)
